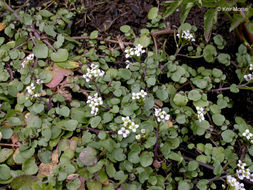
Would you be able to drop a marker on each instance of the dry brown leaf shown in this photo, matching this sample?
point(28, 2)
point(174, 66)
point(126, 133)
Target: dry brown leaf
point(58, 75)
point(72, 145)
point(55, 157)
point(2, 26)
point(46, 169)
point(170, 123)
point(14, 138)
point(15, 154)
point(65, 93)
point(82, 187)
point(72, 177)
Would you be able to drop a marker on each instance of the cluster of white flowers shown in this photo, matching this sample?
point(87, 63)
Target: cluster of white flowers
point(248, 135)
point(200, 111)
point(31, 90)
point(138, 95)
point(93, 72)
point(161, 115)
point(134, 51)
point(93, 102)
point(234, 183)
point(187, 35)
point(28, 58)
point(139, 136)
point(128, 126)
point(242, 172)
point(249, 76)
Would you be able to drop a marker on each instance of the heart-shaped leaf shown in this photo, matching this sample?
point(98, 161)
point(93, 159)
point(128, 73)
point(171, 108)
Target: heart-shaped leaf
point(60, 56)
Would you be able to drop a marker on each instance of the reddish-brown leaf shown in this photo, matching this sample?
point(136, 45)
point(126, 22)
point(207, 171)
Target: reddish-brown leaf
point(58, 75)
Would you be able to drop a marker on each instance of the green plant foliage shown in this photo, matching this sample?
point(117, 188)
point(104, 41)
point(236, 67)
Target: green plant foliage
point(146, 109)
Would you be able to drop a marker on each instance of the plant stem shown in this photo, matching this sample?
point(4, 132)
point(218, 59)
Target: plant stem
point(10, 9)
point(101, 39)
point(192, 57)
point(175, 55)
point(5, 144)
point(227, 88)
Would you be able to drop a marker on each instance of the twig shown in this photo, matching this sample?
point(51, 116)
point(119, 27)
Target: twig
point(156, 145)
point(200, 163)
point(192, 57)
point(101, 39)
point(212, 168)
point(12, 145)
point(10, 70)
point(10, 9)
point(49, 45)
point(216, 178)
point(176, 53)
point(48, 105)
point(158, 33)
point(227, 88)
point(32, 38)
point(84, 93)
point(96, 131)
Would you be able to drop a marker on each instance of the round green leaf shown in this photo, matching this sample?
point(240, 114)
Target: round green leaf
point(60, 56)
point(153, 13)
point(88, 156)
point(218, 119)
point(194, 95)
point(29, 167)
point(228, 135)
point(6, 132)
point(180, 99)
point(146, 159)
point(40, 51)
point(5, 172)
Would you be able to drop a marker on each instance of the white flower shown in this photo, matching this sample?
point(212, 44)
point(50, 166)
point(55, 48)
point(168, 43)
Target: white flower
point(143, 131)
point(94, 111)
point(246, 173)
point(251, 177)
point(128, 124)
point(135, 96)
point(234, 183)
point(200, 112)
point(161, 115)
point(123, 132)
point(94, 72)
point(240, 174)
point(247, 134)
point(143, 93)
point(93, 102)
point(241, 165)
point(248, 77)
point(187, 35)
point(134, 51)
point(30, 56)
point(133, 127)
point(251, 67)
point(126, 119)
point(31, 91)
point(27, 59)
point(138, 137)
point(128, 63)
point(38, 81)
point(139, 95)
